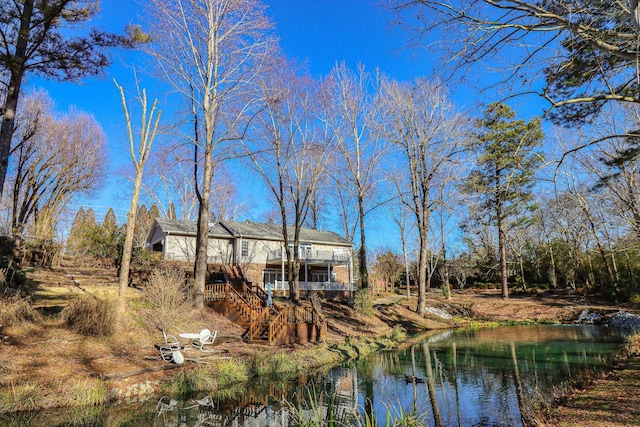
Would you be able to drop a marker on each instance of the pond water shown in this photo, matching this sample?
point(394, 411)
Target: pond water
point(488, 377)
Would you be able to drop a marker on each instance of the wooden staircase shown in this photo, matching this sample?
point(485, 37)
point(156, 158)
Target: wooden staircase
point(274, 324)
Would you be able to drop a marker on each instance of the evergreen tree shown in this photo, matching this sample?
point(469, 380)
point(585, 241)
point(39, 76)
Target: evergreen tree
point(110, 223)
point(504, 176)
point(83, 222)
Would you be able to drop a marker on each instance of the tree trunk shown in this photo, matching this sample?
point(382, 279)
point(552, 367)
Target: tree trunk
point(445, 269)
point(125, 263)
point(502, 250)
point(364, 276)
point(554, 277)
point(524, 282)
point(422, 276)
point(406, 266)
point(12, 96)
point(294, 277)
point(202, 237)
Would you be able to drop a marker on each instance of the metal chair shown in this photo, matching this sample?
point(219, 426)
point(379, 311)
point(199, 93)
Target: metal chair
point(205, 338)
point(170, 350)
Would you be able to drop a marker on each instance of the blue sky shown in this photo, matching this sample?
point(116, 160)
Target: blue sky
point(318, 32)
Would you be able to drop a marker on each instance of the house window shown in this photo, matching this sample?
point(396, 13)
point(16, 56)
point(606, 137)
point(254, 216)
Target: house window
point(244, 249)
point(319, 276)
point(323, 276)
point(304, 250)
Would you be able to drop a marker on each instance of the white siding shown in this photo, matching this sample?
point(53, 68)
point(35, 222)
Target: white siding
point(180, 248)
point(258, 251)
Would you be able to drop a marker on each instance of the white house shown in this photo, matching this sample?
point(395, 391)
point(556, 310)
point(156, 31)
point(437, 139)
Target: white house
point(258, 249)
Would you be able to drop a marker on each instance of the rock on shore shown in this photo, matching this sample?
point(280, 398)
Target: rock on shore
point(621, 319)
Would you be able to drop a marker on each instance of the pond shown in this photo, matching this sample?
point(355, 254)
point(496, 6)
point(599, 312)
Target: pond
point(487, 377)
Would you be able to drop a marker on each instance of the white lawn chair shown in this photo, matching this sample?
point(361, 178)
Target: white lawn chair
point(203, 339)
point(170, 350)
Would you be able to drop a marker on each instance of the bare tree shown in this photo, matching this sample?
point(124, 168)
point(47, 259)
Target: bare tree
point(613, 165)
point(400, 215)
point(139, 156)
point(427, 133)
point(586, 52)
point(212, 51)
point(170, 185)
point(353, 114)
point(55, 160)
point(290, 153)
point(446, 189)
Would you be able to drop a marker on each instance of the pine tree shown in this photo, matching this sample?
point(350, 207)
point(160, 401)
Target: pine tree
point(82, 223)
point(504, 176)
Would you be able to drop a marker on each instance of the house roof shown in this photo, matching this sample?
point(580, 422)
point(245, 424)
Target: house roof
point(189, 228)
point(255, 230)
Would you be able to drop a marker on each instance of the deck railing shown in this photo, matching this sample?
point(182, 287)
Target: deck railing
point(283, 285)
point(312, 255)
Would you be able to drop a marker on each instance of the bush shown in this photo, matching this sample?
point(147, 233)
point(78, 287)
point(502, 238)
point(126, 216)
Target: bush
point(190, 381)
point(164, 298)
point(632, 346)
point(363, 302)
point(231, 372)
point(90, 315)
point(16, 311)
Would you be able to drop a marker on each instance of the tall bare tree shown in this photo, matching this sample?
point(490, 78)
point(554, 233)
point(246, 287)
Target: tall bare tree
point(147, 132)
point(585, 54)
point(54, 160)
point(211, 52)
point(36, 39)
point(291, 150)
point(427, 133)
point(354, 114)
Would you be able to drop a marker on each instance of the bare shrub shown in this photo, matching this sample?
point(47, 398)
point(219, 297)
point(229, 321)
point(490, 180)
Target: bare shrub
point(164, 298)
point(89, 315)
point(17, 311)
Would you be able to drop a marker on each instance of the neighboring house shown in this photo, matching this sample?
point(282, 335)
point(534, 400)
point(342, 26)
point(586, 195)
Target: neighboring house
point(258, 249)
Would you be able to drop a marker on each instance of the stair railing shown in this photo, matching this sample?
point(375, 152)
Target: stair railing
point(277, 326)
point(254, 300)
point(259, 318)
point(240, 304)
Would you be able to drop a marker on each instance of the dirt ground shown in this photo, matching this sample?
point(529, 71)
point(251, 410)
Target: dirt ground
point(48, 353)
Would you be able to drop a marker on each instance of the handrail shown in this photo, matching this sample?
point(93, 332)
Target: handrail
point(261, 293)
point(251, 297)
point(215, 291)
point(245, 309)
point(276, 326)
point(258, 319)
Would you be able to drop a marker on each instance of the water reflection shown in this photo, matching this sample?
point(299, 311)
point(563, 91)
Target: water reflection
point(491, 377)
point(478, 378)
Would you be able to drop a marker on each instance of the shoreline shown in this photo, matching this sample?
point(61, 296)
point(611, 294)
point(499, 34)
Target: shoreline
point(351, 336)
